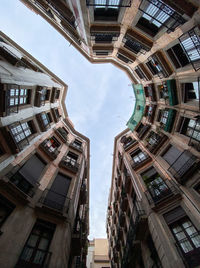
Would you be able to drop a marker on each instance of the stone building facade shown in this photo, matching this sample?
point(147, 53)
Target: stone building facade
point(153, 212)
point(44, 168)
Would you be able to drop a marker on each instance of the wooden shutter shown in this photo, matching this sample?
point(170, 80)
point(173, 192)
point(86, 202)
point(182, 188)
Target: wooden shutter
point(174, 215)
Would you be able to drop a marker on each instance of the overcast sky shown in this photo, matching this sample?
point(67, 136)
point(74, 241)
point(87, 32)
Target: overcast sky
point(99, 99)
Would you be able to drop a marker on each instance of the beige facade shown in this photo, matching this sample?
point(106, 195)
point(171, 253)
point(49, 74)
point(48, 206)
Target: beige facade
point(153, 211)
point(98, 254)
point(44, 168)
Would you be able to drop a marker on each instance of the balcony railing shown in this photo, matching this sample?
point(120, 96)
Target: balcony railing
point(62, 134)
point(167, 17)
point(159, 193)
point(110, 3)
point(129, 144)
point(150, 92)
point(158, 142)
point(183, 166)
point(50, 151)
point(76, 147)
point(143, 130)
point(69, 164)
point(55, 201)
point(34, 257)
point(192, 258)
point(190, 43)
point(170, 121)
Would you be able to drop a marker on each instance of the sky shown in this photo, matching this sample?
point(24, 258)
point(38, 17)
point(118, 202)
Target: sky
point(99, 99)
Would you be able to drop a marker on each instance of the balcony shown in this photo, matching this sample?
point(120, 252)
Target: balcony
point(77, 243)
point(41, 95)
point(62, 134)
point(159, 66)
point(122, 219)
point(125, 56)
point(110, 3)
point(136, 42)
point(142, 130)
point(44, 121)
point(190, 43)
point(142, 72)
point(69, 164)
point(76, 147)
point(150, 93)
point(102, 50)
point(34, 257)
point(128, 143)
point(100, 34)
point(150, 113)
point(54, 203)
point(161, 195)
point(18, 186)
point(7, 54)
point(162, 15)
point(184, 166)
point(155, 142)
point(51, 151)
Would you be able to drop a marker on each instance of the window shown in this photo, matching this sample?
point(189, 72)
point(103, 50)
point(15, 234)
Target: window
point(27, 177)
point(46, 119)
point(190, 91)
point(18, 97)
point(21, 131)
point(57, 94)
point(51, 144)
point(186, 235)
point(153, 138)
point(6, 208)
point(190, 128)
point(156, 186)
point(106, 10)
point(157, 14)
point(77, 144)
point(138, 156)
point(163, 116)
point(178, 56)
point(190, 42)
point(56, 196)
point(35, 251)
point(72, 158)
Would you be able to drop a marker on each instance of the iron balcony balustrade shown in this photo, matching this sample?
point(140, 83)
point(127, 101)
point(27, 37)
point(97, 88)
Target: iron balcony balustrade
point(149, 91)
point(60, 12)
point(51, 151)
point(104, 37)
point(134, 231)
point(183, 166)
point(142, 131)
point(156, 142)
point(161, 14)
point(160, 192)
point(134, 45)
point(129, 143)
point(40, 96)
point(70, 164)
point(62, 134)
point(142, 72)
point(34, 257)
point(44, 121)
point(56, 201)
point(151, 113)
point(191, 258)
point(168, 125)
point(109, 3)
point(156, 67)
point(77, 147)
point(190, 42)
point(20, 185)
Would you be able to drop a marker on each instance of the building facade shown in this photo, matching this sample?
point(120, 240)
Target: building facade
point(153, 212)
point(98, 254)
point(44, 168)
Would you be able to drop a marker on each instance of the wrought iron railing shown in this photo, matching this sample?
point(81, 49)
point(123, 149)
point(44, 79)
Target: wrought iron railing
point(128, 144)
point(182, 165)
point(134, 45)
point(50, 150)
point(69, 163)
point(34, 257)
point(165, 16)
point(55, 201)
point(109, 3)
point(190, 43)
point(159, 192)
point(76, 146)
